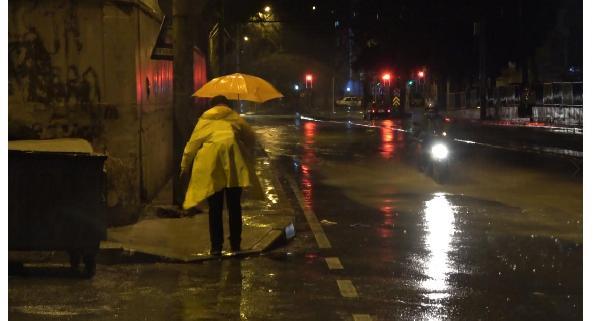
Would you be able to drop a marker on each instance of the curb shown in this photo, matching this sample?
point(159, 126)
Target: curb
point(115, 252)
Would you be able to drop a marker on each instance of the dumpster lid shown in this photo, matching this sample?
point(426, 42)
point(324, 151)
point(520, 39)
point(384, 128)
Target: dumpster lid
point(68, 145)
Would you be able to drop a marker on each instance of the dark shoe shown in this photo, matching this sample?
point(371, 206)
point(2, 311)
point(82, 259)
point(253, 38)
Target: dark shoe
point(193, 211)
point(235, 248)
point(215, 252)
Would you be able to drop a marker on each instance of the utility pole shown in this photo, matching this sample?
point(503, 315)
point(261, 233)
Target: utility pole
point(523, 110)
point(183, 85)
point(237, 47)
point(333, 95)
point(221, 38)
point(482, 66)
point(523, 46)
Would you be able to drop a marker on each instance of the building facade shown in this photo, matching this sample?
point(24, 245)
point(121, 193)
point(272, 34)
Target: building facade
point(84, 69)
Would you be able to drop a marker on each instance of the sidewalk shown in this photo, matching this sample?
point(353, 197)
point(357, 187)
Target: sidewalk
point(566, 142)
point(525, 136)
point(526, 123)
point(186, 239)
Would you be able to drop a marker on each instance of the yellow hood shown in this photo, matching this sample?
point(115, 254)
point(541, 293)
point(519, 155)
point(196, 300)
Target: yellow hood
point(220, 112)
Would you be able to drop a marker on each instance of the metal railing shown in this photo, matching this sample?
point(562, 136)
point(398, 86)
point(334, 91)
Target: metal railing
point(559, 103)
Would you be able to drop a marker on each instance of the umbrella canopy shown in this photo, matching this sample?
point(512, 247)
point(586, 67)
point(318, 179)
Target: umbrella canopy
point(241, 87)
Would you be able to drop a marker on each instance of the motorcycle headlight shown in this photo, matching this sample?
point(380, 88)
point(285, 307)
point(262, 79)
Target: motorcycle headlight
point(439, 151)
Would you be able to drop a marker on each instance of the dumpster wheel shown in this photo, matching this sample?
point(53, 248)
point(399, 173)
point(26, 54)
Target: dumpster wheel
point(74, 259)
point(89, 261)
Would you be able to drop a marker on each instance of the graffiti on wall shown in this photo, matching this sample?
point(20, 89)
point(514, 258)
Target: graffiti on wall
point(30, 67)
point(65, 98)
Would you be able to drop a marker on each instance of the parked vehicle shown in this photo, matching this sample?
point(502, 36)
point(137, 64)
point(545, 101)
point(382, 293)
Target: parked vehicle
point(350, 102)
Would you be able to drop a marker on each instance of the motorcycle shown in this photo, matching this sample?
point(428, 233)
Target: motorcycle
point(435, 157)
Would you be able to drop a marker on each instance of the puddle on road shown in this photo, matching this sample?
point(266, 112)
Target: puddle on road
point(439, 228)
point(475, 235)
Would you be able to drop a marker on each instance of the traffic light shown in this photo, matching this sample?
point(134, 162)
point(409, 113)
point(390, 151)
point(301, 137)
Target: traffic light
point(309, 80)
point(421, 74)
point(386, 78)
point(411, 82)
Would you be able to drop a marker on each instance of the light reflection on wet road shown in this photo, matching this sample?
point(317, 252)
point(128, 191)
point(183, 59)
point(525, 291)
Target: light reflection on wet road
point(501, 241)
point(439, 222)
point(308, 160)
point(458, 251)
point(387, 140)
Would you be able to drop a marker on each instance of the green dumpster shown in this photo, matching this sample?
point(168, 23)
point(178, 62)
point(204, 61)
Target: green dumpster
point(56, 199)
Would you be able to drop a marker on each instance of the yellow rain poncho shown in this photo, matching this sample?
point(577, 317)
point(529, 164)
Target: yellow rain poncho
point(220, 153)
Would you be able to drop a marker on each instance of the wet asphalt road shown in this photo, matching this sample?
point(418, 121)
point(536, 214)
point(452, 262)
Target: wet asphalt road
point(502, 240)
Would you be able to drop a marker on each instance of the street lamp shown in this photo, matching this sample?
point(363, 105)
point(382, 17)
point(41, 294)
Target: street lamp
point(314, 8)
point(265, 14)
point(246, 38)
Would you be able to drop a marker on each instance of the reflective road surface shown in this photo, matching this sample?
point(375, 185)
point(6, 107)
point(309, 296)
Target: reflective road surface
point(501, 240)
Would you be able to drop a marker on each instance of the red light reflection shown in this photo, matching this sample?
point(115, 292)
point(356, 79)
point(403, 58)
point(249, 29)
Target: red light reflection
point(309, 131)
point(308, 158)
point(536, 124)
point(386, 229)
point(387, 139)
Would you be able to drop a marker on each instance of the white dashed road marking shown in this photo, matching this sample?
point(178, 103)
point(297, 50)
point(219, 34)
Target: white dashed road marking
point(347, 289)
point(334, 263)
point(311, 217)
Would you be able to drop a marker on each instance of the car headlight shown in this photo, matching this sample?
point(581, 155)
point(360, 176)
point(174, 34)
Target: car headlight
point(439, 151)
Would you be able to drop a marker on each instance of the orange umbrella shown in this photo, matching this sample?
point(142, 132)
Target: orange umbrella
point(241, 87)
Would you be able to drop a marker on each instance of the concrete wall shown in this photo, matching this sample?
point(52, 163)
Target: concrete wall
point(83, 69)
point(154, 95)
point(56, 81)
point(472, 113)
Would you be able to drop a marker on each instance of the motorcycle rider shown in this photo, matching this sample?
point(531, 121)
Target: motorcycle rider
point(432, 127)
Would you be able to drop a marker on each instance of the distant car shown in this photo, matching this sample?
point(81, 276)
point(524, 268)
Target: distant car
point(378, 111)
point(350, 102)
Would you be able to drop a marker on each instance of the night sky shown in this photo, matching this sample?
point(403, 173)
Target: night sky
point(403, 35)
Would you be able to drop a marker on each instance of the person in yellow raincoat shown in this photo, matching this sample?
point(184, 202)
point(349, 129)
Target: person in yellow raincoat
point(220, 156)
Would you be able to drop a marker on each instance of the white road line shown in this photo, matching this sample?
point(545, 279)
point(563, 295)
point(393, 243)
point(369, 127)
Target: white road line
point(311, 218)
point(347, 289)
point(361, 317)
point(334, 263)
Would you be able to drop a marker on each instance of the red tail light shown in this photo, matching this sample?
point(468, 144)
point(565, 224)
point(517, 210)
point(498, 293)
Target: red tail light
point(447, 119)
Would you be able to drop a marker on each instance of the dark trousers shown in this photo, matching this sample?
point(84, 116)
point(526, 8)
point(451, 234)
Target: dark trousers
point(215, 217)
